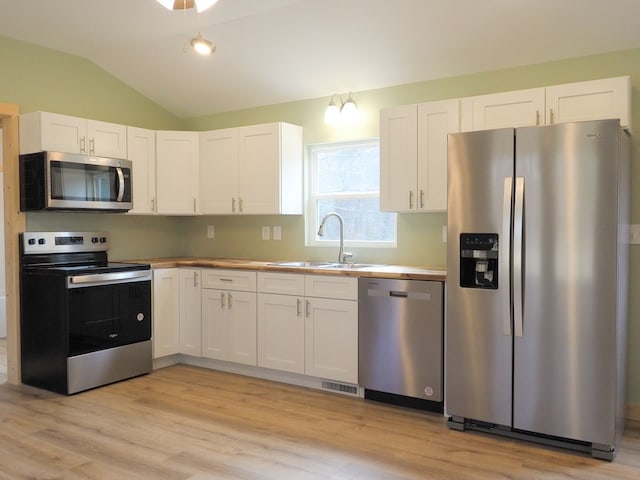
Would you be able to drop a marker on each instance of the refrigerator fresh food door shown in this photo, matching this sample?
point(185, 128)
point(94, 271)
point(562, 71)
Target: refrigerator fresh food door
point(478, 373)
point(565, 360)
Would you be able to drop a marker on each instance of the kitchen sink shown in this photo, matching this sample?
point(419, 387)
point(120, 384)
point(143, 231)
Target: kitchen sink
point(327, 265)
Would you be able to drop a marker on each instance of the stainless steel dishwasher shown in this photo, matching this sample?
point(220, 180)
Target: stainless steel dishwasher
point(400, 341)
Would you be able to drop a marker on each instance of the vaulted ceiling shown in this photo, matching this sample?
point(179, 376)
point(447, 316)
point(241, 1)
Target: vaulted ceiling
point(275, 51)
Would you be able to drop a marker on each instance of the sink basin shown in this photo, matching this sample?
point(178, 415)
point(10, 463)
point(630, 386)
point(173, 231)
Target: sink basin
point(305, 264)
point(327, 265)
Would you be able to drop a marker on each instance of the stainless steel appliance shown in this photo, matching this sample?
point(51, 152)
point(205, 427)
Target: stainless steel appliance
point(64, 181)
point(400, 341)
point(537, 282)
point(84, 321)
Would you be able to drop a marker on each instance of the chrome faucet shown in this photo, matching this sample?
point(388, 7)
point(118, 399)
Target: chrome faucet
point(342, 255)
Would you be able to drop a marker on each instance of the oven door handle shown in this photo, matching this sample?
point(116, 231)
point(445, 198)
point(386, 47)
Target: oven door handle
point(92, 280)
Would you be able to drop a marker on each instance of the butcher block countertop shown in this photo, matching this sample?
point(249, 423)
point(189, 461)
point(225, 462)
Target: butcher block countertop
point(376, 271)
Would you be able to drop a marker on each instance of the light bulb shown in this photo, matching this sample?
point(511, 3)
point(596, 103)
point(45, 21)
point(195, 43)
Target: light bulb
point(331, 114)
point(349, 110)
point(202, 45)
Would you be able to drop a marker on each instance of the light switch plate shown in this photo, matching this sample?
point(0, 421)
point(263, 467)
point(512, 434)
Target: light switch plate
point(211, 232)
point(266, 235)
point(277, 232)
point(634, 234)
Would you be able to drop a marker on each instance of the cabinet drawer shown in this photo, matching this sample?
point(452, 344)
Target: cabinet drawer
point(281, 283)
point(229, 280)
point(345, 288)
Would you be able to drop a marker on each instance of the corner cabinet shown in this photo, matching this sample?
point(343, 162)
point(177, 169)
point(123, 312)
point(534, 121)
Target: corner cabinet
point(190, 319)
point(252, 170)
point(177, 172)
point(141, 150)
point(413, 155)
point(63, 133)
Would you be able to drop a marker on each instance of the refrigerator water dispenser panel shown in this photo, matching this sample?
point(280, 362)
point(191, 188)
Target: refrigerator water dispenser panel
point(479, 260)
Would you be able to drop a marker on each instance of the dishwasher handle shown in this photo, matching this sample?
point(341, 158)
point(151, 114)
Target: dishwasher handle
point(394, 293)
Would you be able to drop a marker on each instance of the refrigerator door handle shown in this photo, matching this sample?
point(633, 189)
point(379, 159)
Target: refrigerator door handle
point(505, 257)
point(518, 234)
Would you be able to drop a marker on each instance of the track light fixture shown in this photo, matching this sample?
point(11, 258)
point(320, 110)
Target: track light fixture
point(347, 113)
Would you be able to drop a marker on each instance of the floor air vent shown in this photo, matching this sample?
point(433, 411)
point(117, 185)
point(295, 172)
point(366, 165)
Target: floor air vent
point(339, 387)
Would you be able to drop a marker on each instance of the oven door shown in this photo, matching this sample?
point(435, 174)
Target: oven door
point(108, 310)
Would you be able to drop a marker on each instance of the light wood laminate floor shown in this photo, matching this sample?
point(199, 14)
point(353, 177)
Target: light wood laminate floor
point(184, 422)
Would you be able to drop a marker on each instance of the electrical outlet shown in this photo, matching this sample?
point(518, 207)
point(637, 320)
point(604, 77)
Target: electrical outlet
point(634, 234)
point(277, 232)
point(211, 233)
point(266, 235)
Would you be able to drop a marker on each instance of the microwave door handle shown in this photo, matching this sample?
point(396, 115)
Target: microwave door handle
point(120, 184)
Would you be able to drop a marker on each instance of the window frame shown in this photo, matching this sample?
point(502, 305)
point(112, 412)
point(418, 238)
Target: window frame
point(312, 220)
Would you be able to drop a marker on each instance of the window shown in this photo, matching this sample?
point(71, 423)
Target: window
point(345, 178)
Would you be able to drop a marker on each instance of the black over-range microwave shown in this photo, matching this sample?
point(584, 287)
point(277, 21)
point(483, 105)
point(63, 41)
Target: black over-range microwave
point(65, 181)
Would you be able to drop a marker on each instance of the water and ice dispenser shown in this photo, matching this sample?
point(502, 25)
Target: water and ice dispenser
point(479, 260)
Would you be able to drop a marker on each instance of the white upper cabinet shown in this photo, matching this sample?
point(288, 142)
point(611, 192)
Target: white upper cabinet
point(521, 108)
point(592, 100)
point(571, 102)
point(177, 172)
point(141, 150)
point(252, 170)
point(413, 155)
point(63, 133)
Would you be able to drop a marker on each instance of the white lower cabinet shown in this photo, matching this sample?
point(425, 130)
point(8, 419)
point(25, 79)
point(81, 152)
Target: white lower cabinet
point(229, 316)
point(190, 312)
point(300, 332)
point(166, 312)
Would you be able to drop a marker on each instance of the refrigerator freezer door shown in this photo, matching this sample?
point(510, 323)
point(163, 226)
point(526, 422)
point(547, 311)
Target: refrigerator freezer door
point(565, 361)
point(478, 373)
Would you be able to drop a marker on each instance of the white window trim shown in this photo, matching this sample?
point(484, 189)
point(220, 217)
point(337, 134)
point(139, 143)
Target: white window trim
point(311, 220)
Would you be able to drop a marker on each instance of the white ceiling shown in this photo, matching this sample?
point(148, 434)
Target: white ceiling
point(275, 51)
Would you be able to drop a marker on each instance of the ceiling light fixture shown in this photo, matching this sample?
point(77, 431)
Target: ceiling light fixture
point(202, 45)
point(201, 5)
point(347, 113)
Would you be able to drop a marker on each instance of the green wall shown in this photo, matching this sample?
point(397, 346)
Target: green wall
point(42, 79)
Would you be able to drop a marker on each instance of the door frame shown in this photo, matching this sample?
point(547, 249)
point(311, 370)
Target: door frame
point(14, 223)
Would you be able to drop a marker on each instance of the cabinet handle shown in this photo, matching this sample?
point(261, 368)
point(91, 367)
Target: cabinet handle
point(83, 145)
point(226, 280)
point(410, 199)
point(240, 204)
point(195, 279)
point(551, 116)
point(153, 204)
point(307, 308)
point(421, 198)
point(537, 118)
point(298, 306)
point(233, 204)
point(92, 145)
point(222, 300)
point(230, 302)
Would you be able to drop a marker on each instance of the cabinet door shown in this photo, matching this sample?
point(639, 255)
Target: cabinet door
point(435, 121)
point(242, 327)
point(215, 327)
point(398, 159)
point(63, 133)
point(190, 312)
point(219, 171)
point(141, 150)
point(106, 139)
point(259, 169)
point(281, 332)
point(520, 108)
point(331, 339)
point(166, 313)
point(177, 172)
point(592, 100)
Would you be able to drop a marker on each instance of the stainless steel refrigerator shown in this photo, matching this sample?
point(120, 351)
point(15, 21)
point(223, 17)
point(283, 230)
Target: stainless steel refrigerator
point(536, 298)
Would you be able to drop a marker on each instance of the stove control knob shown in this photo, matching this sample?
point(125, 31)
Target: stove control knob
point(41, 241)
point(31, 241)
point(94, 239)
point(103, 239)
